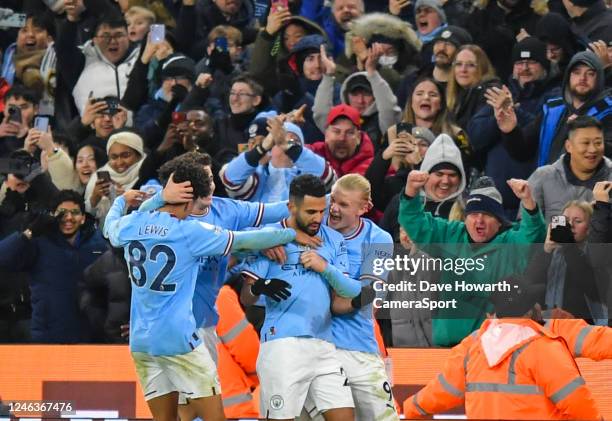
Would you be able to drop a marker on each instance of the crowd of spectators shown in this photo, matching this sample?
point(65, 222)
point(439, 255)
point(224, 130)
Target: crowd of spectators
point(423, 98)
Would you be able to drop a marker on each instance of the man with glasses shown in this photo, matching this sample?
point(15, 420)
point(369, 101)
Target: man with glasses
point(531, 85)
point(106, 61)
point(55, 249)
point(346, 148)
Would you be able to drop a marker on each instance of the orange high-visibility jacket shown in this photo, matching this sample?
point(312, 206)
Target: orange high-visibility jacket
point(238, 349)
point(518, 370)
point(583, 339)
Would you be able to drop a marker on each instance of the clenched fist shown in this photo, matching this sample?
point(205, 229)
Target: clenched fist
point(416, 181)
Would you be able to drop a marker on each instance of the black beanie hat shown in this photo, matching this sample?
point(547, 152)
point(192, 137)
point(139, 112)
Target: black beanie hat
point(555, 29)
point(531, 48)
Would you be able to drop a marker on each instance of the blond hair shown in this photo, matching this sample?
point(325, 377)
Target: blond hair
point(142, 12)
point(232, 34)
point(584, 206)
point(485, 72)
point(355, 182)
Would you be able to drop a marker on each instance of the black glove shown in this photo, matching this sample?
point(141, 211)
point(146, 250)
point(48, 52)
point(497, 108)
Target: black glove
point(277, 289)
point(13, 203)
point(179, 93)
point(221, 60)
point(42, 223)
point(365, 297)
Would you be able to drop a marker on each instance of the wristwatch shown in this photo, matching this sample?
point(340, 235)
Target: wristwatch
point(27, 233)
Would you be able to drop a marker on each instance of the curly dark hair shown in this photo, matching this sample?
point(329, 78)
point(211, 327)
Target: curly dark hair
point(68, 196)
point(199, 158)
point(306, 185)
point(189, 170)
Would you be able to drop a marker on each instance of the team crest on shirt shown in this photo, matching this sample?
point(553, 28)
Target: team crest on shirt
point(214, 228)
point(277, 402)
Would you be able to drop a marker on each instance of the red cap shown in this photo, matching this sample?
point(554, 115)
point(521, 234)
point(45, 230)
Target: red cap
point(346, 111)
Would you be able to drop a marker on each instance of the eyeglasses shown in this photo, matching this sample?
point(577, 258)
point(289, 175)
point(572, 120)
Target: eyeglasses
point(107, 38)
point(122, 155)
point(241, 95)
point(553, 50)
point(467, 64)
point(61, 212)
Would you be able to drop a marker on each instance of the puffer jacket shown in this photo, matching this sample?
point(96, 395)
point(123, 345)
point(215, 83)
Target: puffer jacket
point(271, 52)
point(106, 295)
point(102, 77)
point(56, 269)
point(358, 163)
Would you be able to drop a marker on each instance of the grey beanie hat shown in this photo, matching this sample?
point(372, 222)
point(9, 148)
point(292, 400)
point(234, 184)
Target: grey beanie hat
point(434, 5)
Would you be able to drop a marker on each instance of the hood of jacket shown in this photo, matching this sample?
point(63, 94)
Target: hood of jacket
point(311, 27)
point(372, 109)
point(590, 59)
point(602, 173)
point(499, 338)
point(384, 24)
point(443, 149)
point(93, 54)
point(357, 163)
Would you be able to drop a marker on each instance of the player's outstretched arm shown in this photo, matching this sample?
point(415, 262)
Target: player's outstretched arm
point(262, 239)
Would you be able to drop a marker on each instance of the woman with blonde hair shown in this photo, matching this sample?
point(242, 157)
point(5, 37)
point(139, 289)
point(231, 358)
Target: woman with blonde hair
point(565, 263)
point(473, 74)
point(427, 108)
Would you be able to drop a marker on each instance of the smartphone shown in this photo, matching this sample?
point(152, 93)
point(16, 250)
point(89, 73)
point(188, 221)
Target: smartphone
point(113, 105)
point(560, 231)
point(221, 44)
point(41, 123)
point(158, 33)
point(404, 127)
point(104, 176)
point(178, 117)
point(14, 114)
point(558, 221)
point(279, 4)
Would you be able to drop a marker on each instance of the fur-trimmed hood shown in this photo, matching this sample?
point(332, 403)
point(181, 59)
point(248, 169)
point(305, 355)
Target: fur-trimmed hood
point(382, 24)
point(540, 7)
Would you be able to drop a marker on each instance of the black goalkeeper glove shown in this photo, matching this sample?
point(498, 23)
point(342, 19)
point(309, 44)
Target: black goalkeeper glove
point(277, 289)
point(365, 297)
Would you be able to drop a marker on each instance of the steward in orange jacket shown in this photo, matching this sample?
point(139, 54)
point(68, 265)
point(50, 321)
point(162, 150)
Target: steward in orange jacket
point(508, 369)
point(583, 339)
point(238, 348)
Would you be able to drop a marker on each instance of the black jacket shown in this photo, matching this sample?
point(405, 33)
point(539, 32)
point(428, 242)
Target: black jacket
point(495, 30)
point(106, 295)
point(523, 144)
point(56, 269)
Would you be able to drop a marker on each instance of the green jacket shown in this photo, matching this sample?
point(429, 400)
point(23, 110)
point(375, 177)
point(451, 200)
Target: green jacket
point(505, 255)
